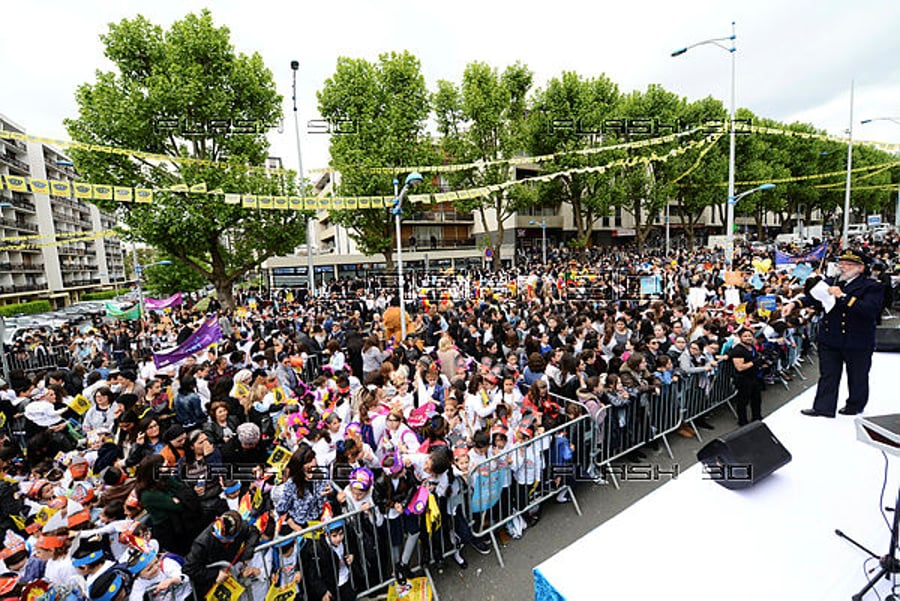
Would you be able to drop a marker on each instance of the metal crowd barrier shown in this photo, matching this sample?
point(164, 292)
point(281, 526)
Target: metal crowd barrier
point(31, 361)
point(368, 537)
point(312, 367)
point(621, 430)
point(515, 482)
point(703, 394)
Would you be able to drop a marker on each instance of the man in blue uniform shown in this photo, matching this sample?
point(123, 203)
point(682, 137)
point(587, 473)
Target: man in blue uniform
point(846, 336)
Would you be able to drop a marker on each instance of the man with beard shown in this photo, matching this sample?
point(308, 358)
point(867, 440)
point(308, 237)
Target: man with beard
point(846, 336)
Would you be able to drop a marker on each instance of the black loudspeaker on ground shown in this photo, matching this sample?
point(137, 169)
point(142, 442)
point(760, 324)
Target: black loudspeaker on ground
point(742, 458)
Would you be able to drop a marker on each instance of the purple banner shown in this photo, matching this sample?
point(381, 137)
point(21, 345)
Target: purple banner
point(816, 254)
point(152, 304)
point(205, 335)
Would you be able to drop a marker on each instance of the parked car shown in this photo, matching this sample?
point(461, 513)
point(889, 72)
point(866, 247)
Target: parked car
point(856, 229)
point(760, 247)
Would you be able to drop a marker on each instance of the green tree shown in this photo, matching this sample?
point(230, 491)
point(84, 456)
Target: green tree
point(648, 183)
point(568, 116)
point(187, 92)
point(696, 169)
point(483, 120)
point(165, 280)
point(388, 103)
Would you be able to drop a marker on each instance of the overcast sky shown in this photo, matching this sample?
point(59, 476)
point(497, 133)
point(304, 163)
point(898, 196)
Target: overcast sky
point(795, 58)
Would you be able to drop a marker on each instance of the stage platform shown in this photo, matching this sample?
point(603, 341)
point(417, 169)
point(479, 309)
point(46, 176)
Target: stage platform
point(694, 539)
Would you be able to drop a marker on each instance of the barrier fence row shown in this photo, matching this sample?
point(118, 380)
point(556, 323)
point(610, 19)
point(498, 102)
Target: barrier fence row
point(503, 491)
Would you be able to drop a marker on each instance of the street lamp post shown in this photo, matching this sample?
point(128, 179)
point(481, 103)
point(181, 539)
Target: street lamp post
point(667, 228)
point(733, 200)
point(729, 210)
point(846, 232)
point(897, 210)
point(412, 180)
point(310, 277)
point(543, 225)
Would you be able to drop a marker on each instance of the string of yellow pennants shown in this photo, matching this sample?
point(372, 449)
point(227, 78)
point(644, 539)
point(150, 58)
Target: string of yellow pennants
point(872, 187)
point(699, 160)
point(61, 236)
point(125, 194)
point(87, 191)
point(801, 178)
point(85, 237)
point(758, 129)
point(526, 160)
point(13, 135)
point(150, 156)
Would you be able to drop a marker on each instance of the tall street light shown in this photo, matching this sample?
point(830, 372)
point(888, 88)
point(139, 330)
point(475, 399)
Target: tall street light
point(729, 236)
point(310, 277)
point(138, 271)
point(846, 231)
point(733, 200)
point(543, 225)
point(897, 121)
point(412, 180)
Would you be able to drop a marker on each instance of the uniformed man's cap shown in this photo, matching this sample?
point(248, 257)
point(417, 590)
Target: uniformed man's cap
point(853, 257)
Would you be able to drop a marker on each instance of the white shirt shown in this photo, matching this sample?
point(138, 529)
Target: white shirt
point(60, 571)
point(168, 568)
point(527, 464)
point(441, 482)
point(343, 569)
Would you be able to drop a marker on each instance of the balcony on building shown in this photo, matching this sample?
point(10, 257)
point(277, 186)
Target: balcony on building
point(9, 159)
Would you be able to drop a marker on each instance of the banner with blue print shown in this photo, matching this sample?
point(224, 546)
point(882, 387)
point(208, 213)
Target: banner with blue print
point(816, 254)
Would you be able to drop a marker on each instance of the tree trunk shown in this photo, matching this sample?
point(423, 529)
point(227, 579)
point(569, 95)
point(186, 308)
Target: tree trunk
point(388, 262)
point(225, 293)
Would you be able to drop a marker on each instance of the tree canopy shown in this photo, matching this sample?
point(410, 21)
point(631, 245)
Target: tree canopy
point(186, 92)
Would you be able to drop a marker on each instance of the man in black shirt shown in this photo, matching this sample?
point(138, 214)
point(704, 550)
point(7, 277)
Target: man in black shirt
point(747, 363)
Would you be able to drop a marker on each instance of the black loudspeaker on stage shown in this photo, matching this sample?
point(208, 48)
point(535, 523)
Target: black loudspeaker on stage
point(742, 458)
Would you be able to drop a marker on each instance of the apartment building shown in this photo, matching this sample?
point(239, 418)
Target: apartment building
point(45, 269)
point(440, 237)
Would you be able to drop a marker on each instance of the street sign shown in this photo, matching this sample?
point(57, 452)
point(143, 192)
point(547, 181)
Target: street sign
point(873, 220)
point(488, 253)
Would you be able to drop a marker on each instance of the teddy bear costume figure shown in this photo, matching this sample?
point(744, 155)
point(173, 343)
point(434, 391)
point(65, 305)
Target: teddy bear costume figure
point(391, 321)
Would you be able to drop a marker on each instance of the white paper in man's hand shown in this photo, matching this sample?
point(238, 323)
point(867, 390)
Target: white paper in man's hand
point(821, 294)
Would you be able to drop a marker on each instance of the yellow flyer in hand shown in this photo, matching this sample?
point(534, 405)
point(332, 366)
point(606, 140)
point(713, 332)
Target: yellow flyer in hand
point(281, 593)
point(279, 458)
point(227, 590)
point(79, 404)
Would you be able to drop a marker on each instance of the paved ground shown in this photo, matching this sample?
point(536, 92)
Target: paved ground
point(560, 525)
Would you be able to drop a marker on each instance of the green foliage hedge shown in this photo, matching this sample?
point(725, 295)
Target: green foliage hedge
point(30, 308)
point(96, 296)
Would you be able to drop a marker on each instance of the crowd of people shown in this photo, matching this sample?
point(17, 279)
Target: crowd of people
point(121, 479)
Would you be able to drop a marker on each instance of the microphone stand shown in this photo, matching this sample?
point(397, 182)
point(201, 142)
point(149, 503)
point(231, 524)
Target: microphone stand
point(888, 564)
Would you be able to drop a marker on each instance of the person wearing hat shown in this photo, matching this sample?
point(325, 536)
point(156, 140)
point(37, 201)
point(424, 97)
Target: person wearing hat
point(112, 585)
point(282, 561)
point(156, 573)
point(331, 559)
point(90, 562)
point(52, 548)
point(14, 554)
point(392, 493)
point(228, 539)
point(846, 336)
